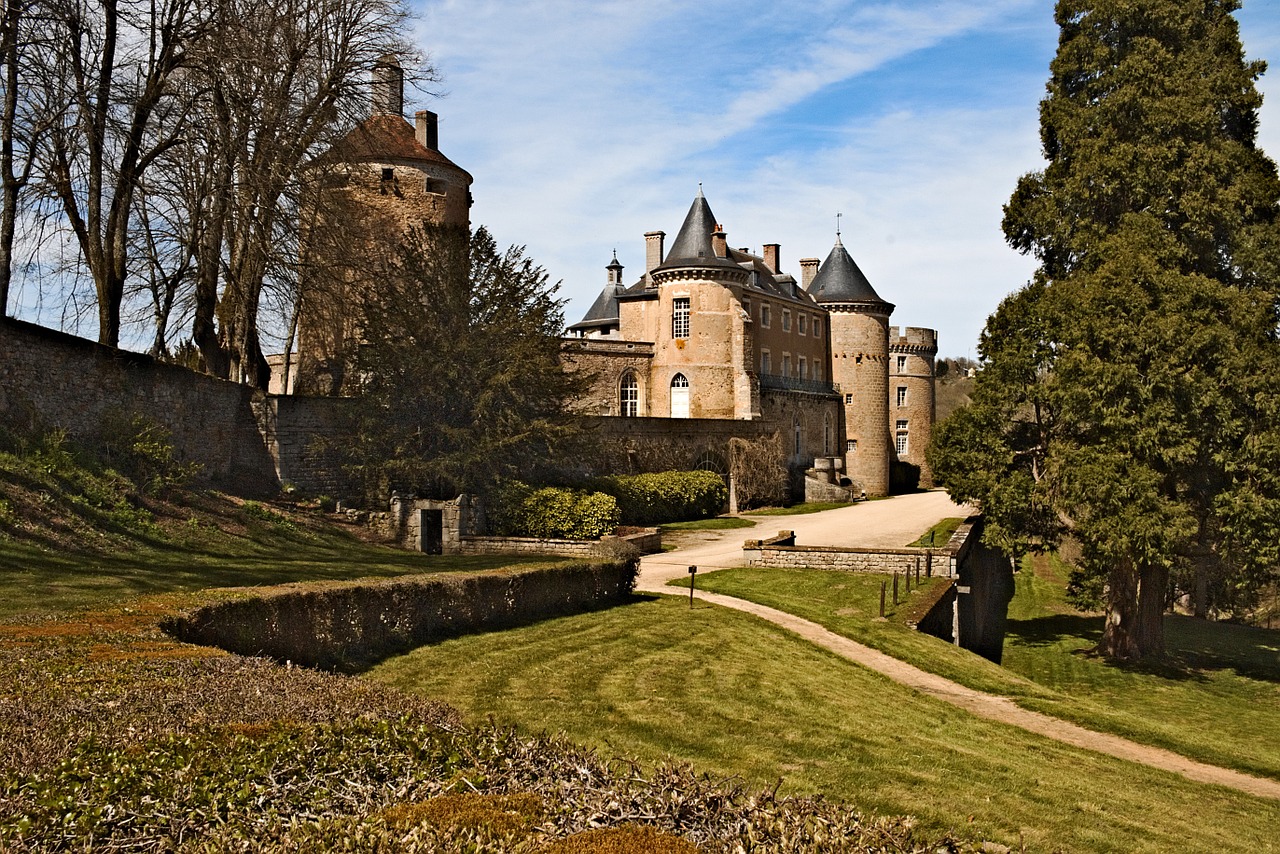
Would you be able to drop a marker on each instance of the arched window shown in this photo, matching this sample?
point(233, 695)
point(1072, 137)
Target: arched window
point(629, 396)
point(679, 396)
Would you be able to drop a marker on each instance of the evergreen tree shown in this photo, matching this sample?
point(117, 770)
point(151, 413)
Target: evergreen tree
point(459, 362)
point(1129, 393)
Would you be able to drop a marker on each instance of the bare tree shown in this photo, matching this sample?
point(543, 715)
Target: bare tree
point(282, 77)
point(114, 64)
point(24, 117)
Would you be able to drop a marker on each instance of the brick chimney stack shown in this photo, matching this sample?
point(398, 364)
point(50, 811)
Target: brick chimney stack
point(771, 260)
point(653, 250)
point(427, 129)
point(808, 269)
point(387, 87)
point(720, 242)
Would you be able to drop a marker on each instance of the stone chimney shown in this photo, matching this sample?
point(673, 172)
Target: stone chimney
point(720, 242)
point(428, 129)
point(387, 87)
point(653, 250)
point(771, 256)
point(808, 269)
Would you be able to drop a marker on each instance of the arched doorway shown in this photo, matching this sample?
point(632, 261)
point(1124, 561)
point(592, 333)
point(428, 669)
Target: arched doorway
point(679, 396)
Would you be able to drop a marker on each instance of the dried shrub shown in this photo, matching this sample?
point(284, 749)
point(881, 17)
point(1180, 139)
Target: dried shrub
point(626, 839)
point(759, 471)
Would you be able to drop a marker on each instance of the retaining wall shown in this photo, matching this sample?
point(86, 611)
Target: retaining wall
point(346, 626)
point(648, 542)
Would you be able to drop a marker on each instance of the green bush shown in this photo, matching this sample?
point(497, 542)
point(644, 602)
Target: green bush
point(143, 450)
point(669, 496)
point(554, 513)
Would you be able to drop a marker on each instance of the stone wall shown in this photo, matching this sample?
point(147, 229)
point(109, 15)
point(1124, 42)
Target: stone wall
point(245, 442)
point(51, 380)
point(648, 542)
point(782, 552)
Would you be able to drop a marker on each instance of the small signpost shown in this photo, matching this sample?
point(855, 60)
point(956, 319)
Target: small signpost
point(693, 574)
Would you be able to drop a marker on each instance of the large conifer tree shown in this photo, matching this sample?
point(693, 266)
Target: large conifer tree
point(1130, 392)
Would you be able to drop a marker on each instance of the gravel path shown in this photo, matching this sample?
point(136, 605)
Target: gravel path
point(894, 522)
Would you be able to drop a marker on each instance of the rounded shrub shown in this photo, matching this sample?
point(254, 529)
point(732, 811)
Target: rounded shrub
point(669, 496)
point(555, 513)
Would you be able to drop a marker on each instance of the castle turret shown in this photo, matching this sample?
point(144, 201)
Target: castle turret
point(911, 395)
point(601, 320)
point(859, 323)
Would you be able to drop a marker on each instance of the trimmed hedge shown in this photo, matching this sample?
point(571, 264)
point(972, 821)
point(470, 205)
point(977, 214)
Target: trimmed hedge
point(350, 625)
point(669, 496)
point(554, 513)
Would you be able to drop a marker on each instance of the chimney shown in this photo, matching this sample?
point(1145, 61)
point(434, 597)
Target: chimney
point(771, 256)
point(428, 129)
point(387, 87)
point(808, 269)
point(720, 242)
point(652, 250)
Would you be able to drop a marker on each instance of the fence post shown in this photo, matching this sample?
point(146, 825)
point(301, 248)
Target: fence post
point(895, 588)
point(883, 585)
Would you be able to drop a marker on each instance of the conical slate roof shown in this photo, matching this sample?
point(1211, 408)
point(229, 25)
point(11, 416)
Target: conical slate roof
point(692, 246)
point(840, 280)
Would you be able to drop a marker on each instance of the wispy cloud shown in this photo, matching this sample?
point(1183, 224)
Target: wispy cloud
point(587, 124)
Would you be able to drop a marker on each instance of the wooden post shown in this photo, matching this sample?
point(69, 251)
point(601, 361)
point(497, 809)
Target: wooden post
point(928, 565)
point(907, 576)
point(693, 573)
point(883, 584)
point(895, 589)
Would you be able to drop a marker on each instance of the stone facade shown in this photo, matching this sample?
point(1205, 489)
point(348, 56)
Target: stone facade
point(714, 334)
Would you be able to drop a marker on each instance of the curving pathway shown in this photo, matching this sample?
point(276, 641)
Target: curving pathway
point(882, 523)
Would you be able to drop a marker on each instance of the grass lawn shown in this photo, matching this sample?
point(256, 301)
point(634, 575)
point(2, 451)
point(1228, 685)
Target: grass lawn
point(737, 696)
point(798, 509)
point(720, 523)
point(939, 534)
point(1216, 700)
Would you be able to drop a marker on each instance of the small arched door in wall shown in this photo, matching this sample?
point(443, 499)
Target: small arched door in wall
point(679, 396)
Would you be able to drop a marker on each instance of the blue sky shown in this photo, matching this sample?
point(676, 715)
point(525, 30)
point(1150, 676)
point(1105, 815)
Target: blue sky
point(586, 124)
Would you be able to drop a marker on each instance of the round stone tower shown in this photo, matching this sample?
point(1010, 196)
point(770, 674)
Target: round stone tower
point(911, 395)
point(859, 326)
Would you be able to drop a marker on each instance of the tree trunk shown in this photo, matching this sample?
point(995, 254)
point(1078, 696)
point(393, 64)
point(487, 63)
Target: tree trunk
point(1200, 592)
point(1120, 632)
point(1153, 590)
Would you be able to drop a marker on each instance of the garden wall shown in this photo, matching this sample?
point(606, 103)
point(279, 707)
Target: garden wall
point(49, 379)
point(245, 442)
point(648, 542)
point(346, 626)
point(782, 552)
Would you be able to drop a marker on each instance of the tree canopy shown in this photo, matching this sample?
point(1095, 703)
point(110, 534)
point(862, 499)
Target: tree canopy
point(459, 365)
point(1128, 395)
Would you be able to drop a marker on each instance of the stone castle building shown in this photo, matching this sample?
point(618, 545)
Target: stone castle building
point(717, 333)
point(380, 180)
point(717, 338)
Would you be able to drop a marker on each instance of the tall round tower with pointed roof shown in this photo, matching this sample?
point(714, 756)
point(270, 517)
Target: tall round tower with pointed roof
point(859, 326)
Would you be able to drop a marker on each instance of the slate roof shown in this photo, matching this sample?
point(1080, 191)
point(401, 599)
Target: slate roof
point(692, 246)
point(840, 280)
point(604, 311)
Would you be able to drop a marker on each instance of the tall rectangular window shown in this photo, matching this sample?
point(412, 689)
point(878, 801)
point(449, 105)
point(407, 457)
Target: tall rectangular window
point(765, 367)
point(902, 395)
point(902, 364)
point(764, 316)
point(786, 320)
point(804, 323)
point(680, 317)
point(902, 443)
point(786, 365)
point(804, 368)
point(817, 327)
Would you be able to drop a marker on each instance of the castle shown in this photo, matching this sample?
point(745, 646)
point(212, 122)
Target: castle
point(710, 342)
point(717, 333)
